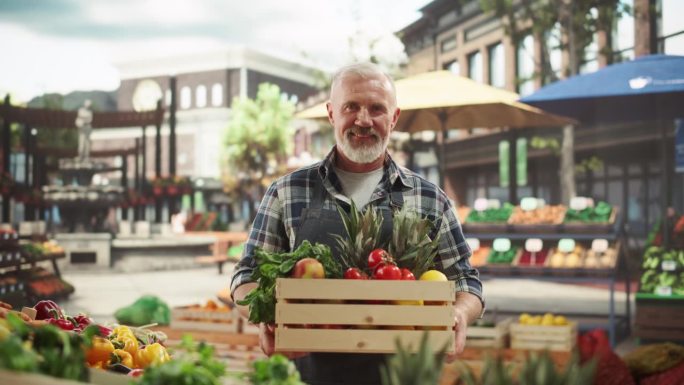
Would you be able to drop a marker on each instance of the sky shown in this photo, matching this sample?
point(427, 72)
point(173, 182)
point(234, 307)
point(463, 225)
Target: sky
point(66, 45)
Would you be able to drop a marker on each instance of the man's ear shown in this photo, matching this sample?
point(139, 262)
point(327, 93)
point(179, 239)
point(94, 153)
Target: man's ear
point(395, 117)
point(328, 106)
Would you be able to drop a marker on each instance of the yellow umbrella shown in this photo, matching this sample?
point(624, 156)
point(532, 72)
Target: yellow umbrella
point(441, 100)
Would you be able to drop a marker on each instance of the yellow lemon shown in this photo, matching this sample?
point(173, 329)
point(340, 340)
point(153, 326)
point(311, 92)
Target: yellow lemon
point(433, 275)
point(524, 318)
point(547, 319)
point(560, 320)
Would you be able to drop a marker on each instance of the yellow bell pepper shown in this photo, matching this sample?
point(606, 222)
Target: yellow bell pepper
point(100, 350)
point(126, 342)
point(122, 357)
point(153, 354)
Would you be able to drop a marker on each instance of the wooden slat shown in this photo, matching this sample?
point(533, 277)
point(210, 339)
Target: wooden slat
point(346, 314)
point(364, 290)
point(356, 341)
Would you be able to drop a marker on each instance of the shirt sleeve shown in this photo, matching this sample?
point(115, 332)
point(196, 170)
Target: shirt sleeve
point(454, 253)
point(267, 233)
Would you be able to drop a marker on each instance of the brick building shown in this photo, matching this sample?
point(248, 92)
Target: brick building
point(458, 36)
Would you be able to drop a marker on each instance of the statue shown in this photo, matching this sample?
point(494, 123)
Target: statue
point(84, 120)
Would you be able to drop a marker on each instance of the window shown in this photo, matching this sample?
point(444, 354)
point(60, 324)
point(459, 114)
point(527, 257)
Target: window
point(590, 62)
point(497, 66)
point(525, 68)
point(671, 29)
point(185, 97)
point(201, 96)
point(167, 96)
point(453, 67)
point(448, 43)
point(475, 66)
point(217, 95)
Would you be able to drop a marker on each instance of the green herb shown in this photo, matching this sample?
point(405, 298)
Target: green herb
point(194, 363)
point(271, 266)
point(275, 370)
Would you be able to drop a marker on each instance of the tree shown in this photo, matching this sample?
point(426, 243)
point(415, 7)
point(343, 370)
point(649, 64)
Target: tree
point(579, 22)
point(257, 142)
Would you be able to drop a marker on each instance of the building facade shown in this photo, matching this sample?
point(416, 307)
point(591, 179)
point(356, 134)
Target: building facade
point(616, 163)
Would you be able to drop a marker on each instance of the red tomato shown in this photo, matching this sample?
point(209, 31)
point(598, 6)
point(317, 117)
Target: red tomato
point(354, 273)
point(376, 257)
point(407, 275)
point(388, 272)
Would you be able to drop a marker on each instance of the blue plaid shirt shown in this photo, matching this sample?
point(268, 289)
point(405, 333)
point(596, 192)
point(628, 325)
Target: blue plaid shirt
point(280, 211)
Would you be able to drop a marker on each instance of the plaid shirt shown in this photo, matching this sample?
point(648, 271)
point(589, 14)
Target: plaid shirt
point(279, 215)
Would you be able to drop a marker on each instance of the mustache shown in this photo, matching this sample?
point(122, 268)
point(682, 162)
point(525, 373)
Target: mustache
point(357, 130)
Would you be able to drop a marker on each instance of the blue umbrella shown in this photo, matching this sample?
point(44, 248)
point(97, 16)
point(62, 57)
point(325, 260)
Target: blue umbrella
point(647, 88)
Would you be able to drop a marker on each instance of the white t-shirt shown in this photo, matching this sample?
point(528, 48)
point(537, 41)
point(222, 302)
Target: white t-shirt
point(359, 186)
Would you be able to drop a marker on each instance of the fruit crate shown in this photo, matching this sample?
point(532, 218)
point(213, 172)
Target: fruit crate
point(198, 318)
point(358, 316)
point(553, 337)
point(495, 337)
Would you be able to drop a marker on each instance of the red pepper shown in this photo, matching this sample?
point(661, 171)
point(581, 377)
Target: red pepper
point(61, 323)
point(47, 309)
point(105, 331)
point(83, 321)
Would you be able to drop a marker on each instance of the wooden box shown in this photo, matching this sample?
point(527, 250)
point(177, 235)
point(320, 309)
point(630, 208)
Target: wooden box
point(197, 318)
point(495, 337)
point(577, 227)
point(337, 315)
point(554, 338)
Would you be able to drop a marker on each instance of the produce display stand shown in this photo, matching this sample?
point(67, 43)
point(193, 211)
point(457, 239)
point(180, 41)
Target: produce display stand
point(607, 276)
point(553, 337)
point(21, 281)
point(495, 337)
point(337, 315)
point(659, 318)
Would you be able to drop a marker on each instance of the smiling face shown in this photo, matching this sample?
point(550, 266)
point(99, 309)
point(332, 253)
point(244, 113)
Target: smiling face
point(363, 112)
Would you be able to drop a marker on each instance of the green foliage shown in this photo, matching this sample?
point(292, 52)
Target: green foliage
point(194, 363)
point(411, 245)
point(259, 133)
point(275, 370)
point(406, 368)
point(538, 369)
point(592, 163)
point(363, 235)
point(271, 266)
point(543, 143)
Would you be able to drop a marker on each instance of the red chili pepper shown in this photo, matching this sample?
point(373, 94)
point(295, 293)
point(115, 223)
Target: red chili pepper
point(46, 310)
point(105, 331)
point(61, 323)
point(83, 321)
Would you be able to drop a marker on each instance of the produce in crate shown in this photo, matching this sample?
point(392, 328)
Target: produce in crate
point(270, 266)
point(363, 236)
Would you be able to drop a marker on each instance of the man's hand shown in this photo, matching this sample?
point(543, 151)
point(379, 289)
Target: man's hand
point(468, 308)
point(459, 338)
point(267, 342)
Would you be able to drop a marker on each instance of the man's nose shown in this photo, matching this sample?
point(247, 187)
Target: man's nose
point(363, 118)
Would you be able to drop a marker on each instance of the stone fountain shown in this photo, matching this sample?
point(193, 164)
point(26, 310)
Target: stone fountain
point(83, 205)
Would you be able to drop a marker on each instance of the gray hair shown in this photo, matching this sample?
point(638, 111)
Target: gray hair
point(364, 70)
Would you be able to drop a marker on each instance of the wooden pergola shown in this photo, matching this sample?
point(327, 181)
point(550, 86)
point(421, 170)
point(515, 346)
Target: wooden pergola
point(39, 118)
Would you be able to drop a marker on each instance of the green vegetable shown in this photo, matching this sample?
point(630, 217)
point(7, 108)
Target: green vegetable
point(491, 215)
point(271, 266)
point(597, 214)
point(275, 370)
point(502, 257)
point(45, 349)
point(193, 364)
point(145, 310)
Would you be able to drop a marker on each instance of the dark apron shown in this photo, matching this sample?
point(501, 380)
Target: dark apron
point(317, 225)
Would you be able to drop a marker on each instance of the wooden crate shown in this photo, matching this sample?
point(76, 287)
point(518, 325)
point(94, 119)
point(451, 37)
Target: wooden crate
point(196, 318)
point(489, 337)
point(306, 309)
point(659, 319)
point(554, 338)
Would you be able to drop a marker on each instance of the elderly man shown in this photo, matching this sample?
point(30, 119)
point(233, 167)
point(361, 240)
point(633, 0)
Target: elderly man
point(302, 206)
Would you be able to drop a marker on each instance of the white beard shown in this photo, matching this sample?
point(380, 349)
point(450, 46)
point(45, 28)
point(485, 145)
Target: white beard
point(363, 154)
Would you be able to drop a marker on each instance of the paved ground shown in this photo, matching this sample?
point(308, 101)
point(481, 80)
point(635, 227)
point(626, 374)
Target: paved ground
point(100, 293)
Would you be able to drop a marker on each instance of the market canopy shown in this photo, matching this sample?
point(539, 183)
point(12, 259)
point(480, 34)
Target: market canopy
point(647, 88)
point(441, 100)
